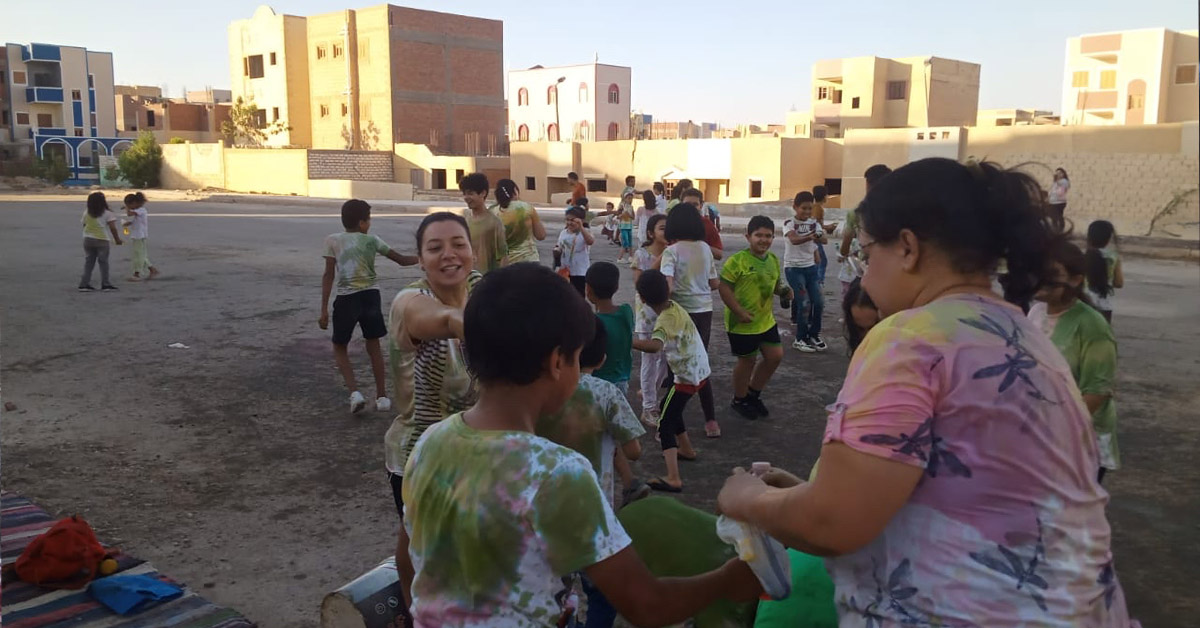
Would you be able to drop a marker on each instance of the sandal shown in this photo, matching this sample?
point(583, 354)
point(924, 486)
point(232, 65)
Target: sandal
point(712, 430)
point(660, 484)
point(691, 458)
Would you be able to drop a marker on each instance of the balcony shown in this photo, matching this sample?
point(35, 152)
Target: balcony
point(1103, 48)
point(825, 112)
point(1104, 99)
point(40, 52)
point(48, 130)
point(44, 95)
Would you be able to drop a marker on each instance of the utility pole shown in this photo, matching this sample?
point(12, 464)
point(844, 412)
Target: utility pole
point(557, 124)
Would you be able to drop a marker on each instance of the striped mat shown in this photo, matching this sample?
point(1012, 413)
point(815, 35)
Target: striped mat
point(27, 606)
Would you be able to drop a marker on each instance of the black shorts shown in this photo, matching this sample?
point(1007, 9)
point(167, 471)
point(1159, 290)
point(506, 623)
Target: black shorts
point(747, 345)
point(357, 309)
point(397, 481)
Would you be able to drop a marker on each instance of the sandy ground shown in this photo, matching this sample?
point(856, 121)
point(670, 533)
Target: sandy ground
point(235, 466)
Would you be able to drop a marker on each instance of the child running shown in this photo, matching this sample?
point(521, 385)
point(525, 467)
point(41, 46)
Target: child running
point(625, 226)
point(139, 230)
point(98, 223)
point(488, 237)
point(676, 335)
point(654, 365)
point(495, 514)
point(692, 276)
point(800, 269)
point(1104, 274)
point(598, 423)
point(750, 280)
point(574, 248)
point(521, 223)
point(350, 258)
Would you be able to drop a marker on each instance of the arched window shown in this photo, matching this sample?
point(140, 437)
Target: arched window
point(614, 94)
point(614, 131)
point(583, 92)
point(585, 130)
point(552, 132)
point(522, 97)
point(523, 133)
point(551, 94)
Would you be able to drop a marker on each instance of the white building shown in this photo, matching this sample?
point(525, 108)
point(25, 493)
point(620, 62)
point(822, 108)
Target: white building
point(588, 102)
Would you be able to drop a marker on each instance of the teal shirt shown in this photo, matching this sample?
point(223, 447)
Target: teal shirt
point(618, 362)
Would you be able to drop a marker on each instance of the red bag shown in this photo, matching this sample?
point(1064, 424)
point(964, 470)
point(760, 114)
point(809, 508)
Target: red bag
point(67, 556)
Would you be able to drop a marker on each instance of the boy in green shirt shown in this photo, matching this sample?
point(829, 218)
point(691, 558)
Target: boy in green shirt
point(488, 238)
point(749, 281)
point(495, 515)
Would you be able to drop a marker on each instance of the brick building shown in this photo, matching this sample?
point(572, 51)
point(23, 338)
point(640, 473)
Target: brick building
point(141, 108)
point(387, 74)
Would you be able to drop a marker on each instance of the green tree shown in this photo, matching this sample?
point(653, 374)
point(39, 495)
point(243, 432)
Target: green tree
point(177, 140)
point(140, 164)
point(247, 124)
point(51, 168)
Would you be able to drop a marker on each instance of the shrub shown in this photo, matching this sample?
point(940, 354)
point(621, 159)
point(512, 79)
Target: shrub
point(140, 164)
point(52, 169)
point(177, 140)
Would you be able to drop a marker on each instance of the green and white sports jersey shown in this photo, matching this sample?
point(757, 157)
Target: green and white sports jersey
point(755, 281)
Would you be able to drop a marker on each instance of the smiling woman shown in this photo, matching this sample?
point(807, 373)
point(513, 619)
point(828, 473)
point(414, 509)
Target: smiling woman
point(957, 481)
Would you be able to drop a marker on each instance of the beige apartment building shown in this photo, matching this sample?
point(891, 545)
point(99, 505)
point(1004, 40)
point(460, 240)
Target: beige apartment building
point(268, 57)
point(1146, 76)
point(370, 78)
point(880, 93)
point(1014, 117)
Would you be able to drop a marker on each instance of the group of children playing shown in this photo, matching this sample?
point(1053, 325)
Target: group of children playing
point(100, 229)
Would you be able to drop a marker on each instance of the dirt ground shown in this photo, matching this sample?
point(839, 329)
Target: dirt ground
point(235, 466)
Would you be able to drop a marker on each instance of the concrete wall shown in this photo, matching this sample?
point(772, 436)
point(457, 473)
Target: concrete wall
point(1125, 174)
point(354, 165)
point(366, 190)
point(415, 163)
point(193, 166)
point(268, 171)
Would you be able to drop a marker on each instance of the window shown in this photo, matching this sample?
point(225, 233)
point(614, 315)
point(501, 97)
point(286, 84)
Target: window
point(337, 50)
point(85, 158)
point(93, 119)
point(818, 133)
point(22, 118)
point(833, 186)
point(76, 95)
point(1079, 79)
point(3, 117)
point(18, 77)
point(1004, 121)
point(897, 90)
point(458, 176)
point(150, 119)
point(439, 178)
point(522, 97)
point(755, 188)
point(79, 133)
point(1137, 101)
point(551, 94)
point(583, 131)
point(245, 66)
point(921, 136)
point(614, 94)
point(1185, 74)
point(583, 92)
point(614, 131)
point(260, 118)
point(321, 51)
point(854, 102)
point(837, 96)
point(324, 111)
point(255, 66)
point(272, 58)
point(552, 132)
point(523, 134)
point(597, 185)
point(822, 93)
point(274, 113)
point(530, 183)
point(91, 81)
point(1108, 79)
point(345, 110)
point(945, 135)
point(45, 120)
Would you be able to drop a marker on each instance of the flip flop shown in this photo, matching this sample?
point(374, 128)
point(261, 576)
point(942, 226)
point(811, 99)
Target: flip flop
point(660, 484)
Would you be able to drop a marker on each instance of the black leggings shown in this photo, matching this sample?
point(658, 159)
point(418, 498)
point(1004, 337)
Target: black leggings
point(670, 426)
point(703, 322)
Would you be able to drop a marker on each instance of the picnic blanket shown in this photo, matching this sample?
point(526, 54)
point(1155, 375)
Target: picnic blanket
point(24, 605)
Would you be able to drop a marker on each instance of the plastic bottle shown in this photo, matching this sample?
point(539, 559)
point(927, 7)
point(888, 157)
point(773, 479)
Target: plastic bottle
point(766, 557)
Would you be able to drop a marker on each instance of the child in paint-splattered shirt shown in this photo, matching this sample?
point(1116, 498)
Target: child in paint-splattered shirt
point(495, 515)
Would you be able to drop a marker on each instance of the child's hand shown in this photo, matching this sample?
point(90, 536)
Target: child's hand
point(744, 316)
point(743, 585)
point(323, 321)
point(119, 241)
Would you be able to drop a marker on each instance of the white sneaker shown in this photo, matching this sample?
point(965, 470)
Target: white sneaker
point(383, 404)
point(803, 346)
point(357, 402)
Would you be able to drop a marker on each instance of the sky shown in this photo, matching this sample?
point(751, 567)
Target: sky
point(702, 60)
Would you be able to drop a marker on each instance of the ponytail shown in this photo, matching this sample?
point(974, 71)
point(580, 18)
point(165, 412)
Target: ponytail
point(1097, 272)
point(506, 191)
point(979, 214)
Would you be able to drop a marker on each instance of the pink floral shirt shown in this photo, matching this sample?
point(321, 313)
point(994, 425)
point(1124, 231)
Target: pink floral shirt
point(1007, 525)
